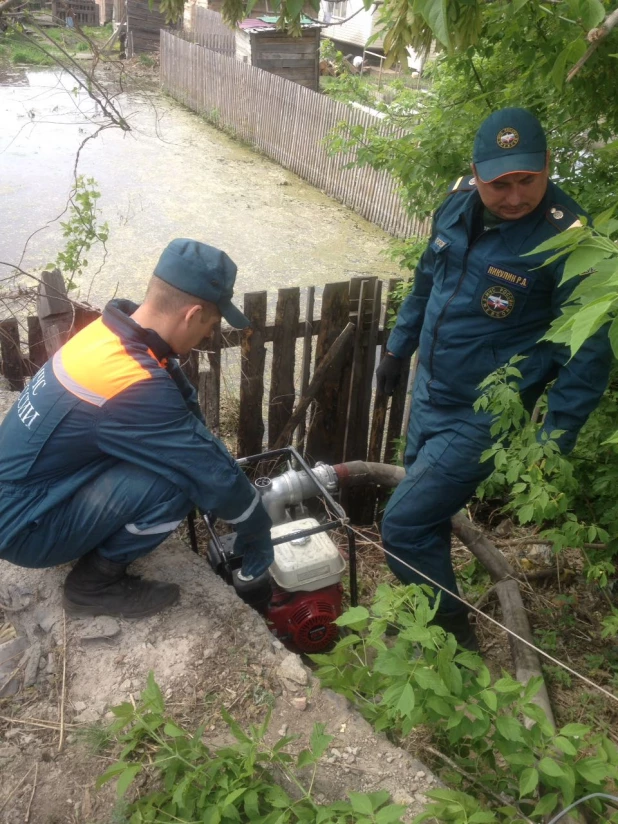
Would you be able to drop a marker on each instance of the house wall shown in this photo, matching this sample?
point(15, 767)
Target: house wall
point(354, 32)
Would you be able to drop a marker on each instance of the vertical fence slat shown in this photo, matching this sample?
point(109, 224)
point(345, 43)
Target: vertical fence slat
point(327, 429)
point(37, 355)
point(376, 437)
point(12, 366)
point(253, 358)
point(306, 364)
point(284, 359)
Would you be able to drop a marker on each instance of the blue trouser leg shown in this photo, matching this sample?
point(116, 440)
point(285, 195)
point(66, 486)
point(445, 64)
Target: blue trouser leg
point(443, 469)
point(124, 513)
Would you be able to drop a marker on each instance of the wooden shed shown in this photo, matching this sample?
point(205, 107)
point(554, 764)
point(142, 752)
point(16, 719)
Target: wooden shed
point(259, 43)
point(143, 25)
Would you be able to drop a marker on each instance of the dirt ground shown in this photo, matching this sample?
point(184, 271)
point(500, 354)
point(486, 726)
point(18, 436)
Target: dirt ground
point(209, 651)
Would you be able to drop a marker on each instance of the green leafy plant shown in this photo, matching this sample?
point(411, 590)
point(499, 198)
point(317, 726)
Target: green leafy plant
point(231, 784)
point(82, 230)
point(572, 497)
point(518, 771)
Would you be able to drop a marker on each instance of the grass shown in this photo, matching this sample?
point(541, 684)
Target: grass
point(20, 49)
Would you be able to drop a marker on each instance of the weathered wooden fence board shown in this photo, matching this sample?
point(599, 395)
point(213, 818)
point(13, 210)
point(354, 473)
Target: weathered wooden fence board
point(283, 362)
point(326, 435)
point(253, 358)
point(11, 355)
point(286, 121)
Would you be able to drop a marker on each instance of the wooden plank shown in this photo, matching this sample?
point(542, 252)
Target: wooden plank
point(395, 418)
point(37, 354)
point(190, 365)
point(282, 394)
point(54, 311)
point(327, 430)
point(288, 62)
point(365, 299)
point(253, 357)
point(378, 422)
point(306, 364)
point(211, 400)
point(12, 366)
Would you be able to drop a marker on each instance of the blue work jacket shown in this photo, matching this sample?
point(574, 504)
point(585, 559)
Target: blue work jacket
point(114, 393)
point(477, 301)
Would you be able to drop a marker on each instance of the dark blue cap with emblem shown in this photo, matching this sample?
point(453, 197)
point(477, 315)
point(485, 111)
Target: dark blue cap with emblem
point(508, 141)
point(204, 272)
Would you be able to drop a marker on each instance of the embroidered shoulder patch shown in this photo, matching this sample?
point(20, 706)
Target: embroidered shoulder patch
point(521, 282)
point(498, 302)
point(439, 243)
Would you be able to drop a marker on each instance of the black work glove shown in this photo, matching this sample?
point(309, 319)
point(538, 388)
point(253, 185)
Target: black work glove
point(253, 541)
point(388, 374)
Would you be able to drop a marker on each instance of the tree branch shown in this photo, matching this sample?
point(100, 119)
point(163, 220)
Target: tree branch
point(595, 37)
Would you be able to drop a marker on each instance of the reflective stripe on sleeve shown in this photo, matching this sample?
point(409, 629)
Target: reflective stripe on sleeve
point(170, 526)
point(248, 511)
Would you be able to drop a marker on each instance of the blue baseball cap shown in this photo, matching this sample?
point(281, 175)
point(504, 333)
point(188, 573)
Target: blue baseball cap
point(508, 141)
point(204, 272)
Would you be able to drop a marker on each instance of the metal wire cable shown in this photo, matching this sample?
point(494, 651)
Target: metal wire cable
point(572, 806)
point(489, 618)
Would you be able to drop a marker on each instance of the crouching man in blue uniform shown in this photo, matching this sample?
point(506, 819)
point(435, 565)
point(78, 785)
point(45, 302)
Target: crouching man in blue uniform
point(106, 450)
point(476, 301)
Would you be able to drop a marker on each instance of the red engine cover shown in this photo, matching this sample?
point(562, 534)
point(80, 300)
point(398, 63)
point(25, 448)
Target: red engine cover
point(305, 619)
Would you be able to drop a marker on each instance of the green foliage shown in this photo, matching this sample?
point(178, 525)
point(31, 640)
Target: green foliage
point(82, 229)
point(422, 679)
point(572, 497)
point(229, 785)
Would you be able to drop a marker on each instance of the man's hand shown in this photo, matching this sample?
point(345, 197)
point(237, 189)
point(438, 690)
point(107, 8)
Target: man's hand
point(258, 555)
point(388, 374)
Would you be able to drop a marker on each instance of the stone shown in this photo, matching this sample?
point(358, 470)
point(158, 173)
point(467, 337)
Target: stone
point(101, 628)
point(47, 617)
point(300, 703)
point(79, 706)
point(88, 716)
point(291, 669)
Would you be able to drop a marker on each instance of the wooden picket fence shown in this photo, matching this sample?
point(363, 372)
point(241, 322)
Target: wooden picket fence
point(341, 417)
point(289, 123)
point(208, 30)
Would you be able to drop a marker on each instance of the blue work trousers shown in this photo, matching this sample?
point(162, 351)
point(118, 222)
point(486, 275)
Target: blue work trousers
point(124, 513)
point(443, 470)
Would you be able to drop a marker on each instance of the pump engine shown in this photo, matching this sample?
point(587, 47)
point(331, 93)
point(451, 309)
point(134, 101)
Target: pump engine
point(301, 594)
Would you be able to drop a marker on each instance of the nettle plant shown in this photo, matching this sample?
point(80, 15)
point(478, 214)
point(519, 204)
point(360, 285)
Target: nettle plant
point(518, 771)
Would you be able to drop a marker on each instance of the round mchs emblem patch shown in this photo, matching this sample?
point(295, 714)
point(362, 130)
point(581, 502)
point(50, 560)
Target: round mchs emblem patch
point(498, 302)
point(507, 138)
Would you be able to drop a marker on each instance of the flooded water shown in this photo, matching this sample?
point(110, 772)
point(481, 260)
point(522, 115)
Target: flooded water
point(172, 176)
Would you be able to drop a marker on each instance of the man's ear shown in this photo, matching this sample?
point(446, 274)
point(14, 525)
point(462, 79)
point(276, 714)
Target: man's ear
point(192, 312)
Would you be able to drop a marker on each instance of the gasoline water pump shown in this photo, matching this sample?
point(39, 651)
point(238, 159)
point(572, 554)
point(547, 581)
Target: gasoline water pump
point(301, 594)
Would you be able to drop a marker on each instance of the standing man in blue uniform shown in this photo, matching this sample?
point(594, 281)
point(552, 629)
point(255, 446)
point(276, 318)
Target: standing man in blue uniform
point(106, 450)
point(477, 300)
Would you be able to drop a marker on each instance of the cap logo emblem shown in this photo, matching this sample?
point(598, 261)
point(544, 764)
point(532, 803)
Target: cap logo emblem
point(508, 138)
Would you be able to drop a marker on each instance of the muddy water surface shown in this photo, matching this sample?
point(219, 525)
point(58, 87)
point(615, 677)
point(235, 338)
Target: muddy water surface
point(172, 176)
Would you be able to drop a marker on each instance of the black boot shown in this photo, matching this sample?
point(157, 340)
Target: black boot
point(458, 624)
point(97, 586)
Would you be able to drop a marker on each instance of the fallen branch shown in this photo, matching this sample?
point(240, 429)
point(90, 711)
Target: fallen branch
point(316, 382)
